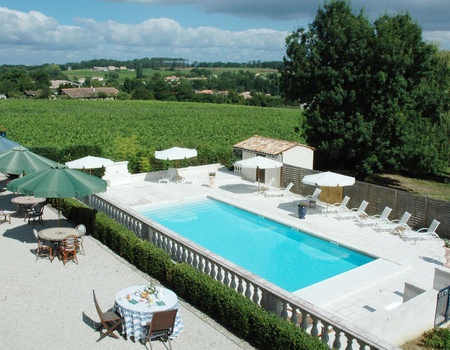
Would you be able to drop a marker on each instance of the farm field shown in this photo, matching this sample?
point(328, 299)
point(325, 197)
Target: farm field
point(153, 125)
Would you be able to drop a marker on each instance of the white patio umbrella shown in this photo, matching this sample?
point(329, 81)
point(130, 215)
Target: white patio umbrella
point(328, 179)
point(89, 162)
point(258, 163)
point(176, 153)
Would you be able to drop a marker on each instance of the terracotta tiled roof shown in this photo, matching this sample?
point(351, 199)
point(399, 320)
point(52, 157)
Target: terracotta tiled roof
point(90, 92)
point(266, 145)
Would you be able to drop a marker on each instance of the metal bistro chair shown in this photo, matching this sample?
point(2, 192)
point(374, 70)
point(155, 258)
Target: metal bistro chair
point(36, 213)
point(81, 228)
point(43, 250)
point(161, 326)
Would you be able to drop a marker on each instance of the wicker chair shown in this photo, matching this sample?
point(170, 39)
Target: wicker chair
point(68, 249)
point(44, 249)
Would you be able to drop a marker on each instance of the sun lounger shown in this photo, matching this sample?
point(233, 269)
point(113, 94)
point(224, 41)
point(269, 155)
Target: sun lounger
point(375, 219)
point(394, 226)
point(336, 208)
point(280, 193)
point(354, 213)
point(168, 176)
point(422, 234)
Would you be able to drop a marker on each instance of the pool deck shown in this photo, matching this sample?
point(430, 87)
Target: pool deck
point(356, 294)
point(45, 304)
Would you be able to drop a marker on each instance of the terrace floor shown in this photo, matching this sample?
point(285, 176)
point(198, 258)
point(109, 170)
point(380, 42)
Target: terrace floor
point(355, 295)
point(45, 303)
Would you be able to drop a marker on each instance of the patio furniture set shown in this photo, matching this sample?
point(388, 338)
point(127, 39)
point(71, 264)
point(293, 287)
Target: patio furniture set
point(143, 313)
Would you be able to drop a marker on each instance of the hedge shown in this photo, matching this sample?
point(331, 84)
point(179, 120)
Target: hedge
point(240, 315)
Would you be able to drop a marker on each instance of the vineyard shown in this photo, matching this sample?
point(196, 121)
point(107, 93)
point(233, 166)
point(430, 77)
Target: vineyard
point(133, 130)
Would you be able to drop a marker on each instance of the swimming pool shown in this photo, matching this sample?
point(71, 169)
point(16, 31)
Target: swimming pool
point(284, 256)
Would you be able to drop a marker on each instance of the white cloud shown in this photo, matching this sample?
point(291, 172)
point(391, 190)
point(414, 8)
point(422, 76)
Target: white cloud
point(33, 37)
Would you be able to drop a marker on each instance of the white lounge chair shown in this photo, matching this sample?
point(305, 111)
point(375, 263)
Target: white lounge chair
point(375, 219)
point(337, 207)
point(313, 199)
point(394, 226)
point(169, 175)
point(354, 212)
point(268, 186)
point(280, 193)
point(422, 234)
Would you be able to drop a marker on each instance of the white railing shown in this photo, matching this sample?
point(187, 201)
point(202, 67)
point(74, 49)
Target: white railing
point(337, 333)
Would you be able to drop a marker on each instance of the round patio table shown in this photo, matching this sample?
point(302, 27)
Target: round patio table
point(26, 202)
point(136, 312)
point(57, 234)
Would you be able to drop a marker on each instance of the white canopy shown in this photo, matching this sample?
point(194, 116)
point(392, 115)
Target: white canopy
point(259, 162)
point(89, 162)
point(175, 153)
point(328, 179)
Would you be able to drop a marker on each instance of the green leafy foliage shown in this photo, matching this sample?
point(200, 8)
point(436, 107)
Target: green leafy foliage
point(437, 338)
point(376, 95)
point(133, 130)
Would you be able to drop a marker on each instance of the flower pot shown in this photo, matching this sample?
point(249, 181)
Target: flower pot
point(212, 179)
point(301, 212)
point(3, 133)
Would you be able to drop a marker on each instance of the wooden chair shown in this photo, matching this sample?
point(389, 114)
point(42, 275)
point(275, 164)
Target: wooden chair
point(81, 228)
point(36, 213)
point(43, 249)
point(161, 326)
point(68, 249)
point(110, 320)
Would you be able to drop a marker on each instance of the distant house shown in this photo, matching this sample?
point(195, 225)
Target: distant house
point(54, 84)
point(286, 152)
point(32, 93)
point(81, 93)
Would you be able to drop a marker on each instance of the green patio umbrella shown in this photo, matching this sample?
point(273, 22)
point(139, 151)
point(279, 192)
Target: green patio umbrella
point(6, 144)
point(20, 160)
point(58, 181)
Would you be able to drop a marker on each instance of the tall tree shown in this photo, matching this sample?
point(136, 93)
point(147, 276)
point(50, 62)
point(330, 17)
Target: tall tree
point(368, 90)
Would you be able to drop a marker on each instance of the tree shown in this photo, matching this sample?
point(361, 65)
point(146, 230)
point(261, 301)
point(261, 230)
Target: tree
point(366, 88)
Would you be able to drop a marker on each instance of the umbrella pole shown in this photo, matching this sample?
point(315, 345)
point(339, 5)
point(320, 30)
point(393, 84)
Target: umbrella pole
point(59, 212)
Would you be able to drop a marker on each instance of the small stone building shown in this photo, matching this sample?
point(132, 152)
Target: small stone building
point(286, 152)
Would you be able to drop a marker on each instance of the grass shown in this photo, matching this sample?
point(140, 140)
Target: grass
point(430, 188)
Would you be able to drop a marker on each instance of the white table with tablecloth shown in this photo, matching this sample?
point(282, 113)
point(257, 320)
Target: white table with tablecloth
point(137, 313)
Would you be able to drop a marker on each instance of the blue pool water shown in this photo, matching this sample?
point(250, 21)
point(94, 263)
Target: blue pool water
point(286, 257)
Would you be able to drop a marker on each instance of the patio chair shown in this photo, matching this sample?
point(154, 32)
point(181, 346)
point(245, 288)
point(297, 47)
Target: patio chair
point(161, 326)
point(169, 176)
point(337, 207)
point(421, 234)
point(5, 217)
point(36, 213)
point(394, 226)
point(110, 320)
point(68, 249)
point(375, 219)
point(314, 198)
point(354, 213)
point(44, 249)
point(82, 229)
point(281, 192)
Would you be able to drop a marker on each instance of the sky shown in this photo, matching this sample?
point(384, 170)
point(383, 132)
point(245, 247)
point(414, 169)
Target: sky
point(60, 31)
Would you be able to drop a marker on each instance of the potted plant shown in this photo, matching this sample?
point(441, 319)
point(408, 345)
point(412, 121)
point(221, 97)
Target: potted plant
point(212, 177)
point(2, 131)
point(302, 206)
